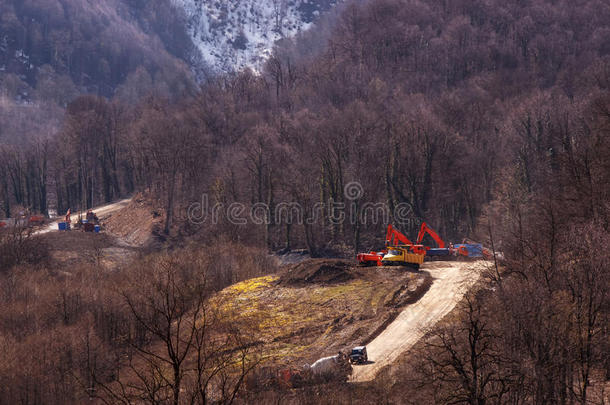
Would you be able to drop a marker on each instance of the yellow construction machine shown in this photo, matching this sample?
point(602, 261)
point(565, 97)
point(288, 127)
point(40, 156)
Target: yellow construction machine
point(401, 251)
point(402, 256)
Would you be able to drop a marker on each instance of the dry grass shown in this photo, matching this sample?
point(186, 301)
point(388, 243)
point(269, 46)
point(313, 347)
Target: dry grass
point(303, 323)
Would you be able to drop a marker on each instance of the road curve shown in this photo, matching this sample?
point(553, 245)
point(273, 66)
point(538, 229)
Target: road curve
point(101, 212)
point(451, 281)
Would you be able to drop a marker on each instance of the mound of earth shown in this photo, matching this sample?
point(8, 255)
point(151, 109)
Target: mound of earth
point(318, 271)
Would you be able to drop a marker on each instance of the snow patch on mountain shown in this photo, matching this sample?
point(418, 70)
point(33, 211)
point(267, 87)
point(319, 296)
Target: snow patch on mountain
point(235, 34)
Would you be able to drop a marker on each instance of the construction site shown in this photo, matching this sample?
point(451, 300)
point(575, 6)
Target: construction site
point(306, 323)
point(369, 309)
point(305, 202)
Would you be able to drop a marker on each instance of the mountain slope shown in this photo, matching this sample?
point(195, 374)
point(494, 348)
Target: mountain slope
point(237, 34)
point(51, 51)
point(56, 48)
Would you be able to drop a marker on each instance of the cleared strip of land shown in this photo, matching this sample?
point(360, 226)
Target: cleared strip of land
point(451, 281)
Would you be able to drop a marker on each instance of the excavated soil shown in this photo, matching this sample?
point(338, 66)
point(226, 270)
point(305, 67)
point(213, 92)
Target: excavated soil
point(135, 223)
point(318, 271)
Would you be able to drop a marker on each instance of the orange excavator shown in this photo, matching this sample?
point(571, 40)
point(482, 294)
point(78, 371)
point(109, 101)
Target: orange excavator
point(441, 251)
point(426, 229)
point(396, 238)
point(399, 250)
point(467, 249)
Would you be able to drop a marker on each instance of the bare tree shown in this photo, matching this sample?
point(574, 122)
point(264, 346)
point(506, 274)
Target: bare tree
point(181, 351)
point(587, 279)
point(461, 360)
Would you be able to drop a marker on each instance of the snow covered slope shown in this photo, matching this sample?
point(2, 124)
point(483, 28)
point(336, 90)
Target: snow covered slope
point(233, 34)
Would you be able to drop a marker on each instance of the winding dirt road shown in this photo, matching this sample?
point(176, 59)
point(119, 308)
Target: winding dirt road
point(451, 281)
point(101, 212)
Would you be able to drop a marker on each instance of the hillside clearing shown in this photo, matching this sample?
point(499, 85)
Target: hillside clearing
point(451, 281)
point(320, 307)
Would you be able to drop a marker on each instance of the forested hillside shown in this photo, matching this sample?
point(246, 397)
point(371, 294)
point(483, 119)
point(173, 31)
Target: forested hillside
point(55, 49)
point(52, 51)
point(437, 105)
point(487, 119)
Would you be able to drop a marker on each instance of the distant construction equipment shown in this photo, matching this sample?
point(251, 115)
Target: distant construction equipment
point(24, 220)
point(91, 223)
point(399, 250)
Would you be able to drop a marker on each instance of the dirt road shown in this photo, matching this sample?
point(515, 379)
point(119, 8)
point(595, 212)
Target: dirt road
point(101, 212)
point(451, 281)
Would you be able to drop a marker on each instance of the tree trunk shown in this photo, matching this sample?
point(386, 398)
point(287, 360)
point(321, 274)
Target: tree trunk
point(169, 208)
point(288, 245)
point(7, 199)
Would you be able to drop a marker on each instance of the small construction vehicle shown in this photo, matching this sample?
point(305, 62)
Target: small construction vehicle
point(358, 355)
point(90, 223)
point(371, 258)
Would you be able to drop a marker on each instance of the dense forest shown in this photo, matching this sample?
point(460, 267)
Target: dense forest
point(436, 105)
point(51, 51)
point(488, 119)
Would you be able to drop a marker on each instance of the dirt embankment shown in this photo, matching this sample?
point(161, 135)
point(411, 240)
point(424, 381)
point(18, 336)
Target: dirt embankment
point(321, 306)
point(319, 271)
point(135, 223)
point(126, 226)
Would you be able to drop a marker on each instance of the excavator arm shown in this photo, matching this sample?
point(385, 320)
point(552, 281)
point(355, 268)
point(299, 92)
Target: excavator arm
point(426, 229)
point(393, 236)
